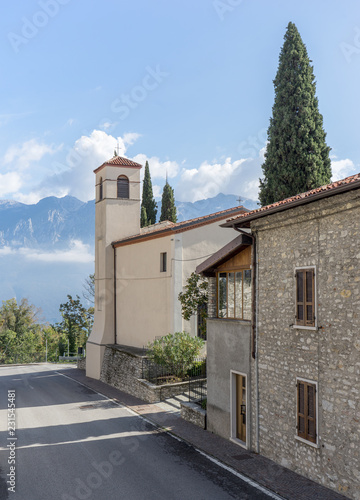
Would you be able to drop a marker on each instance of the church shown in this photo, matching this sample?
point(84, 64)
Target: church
point(139, 272)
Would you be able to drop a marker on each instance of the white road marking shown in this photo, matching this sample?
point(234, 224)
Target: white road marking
point(246, 479)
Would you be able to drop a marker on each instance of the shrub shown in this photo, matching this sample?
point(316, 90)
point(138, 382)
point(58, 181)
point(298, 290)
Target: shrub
point(177, 351)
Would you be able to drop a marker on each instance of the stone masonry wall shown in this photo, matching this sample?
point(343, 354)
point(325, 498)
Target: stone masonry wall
point(212, 298)
point(324, 234)
point(122, 369)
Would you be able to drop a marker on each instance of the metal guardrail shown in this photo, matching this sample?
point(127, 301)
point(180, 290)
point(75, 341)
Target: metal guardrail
point(166, 374)
point(197, 391)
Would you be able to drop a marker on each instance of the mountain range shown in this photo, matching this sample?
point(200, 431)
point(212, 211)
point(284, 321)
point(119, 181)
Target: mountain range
point(47, 249)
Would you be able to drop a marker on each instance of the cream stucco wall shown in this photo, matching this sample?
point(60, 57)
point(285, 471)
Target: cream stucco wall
point(114, 218)
point(147, 302)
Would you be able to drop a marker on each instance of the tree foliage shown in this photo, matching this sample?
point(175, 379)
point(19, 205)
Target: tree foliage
point(148, 216)
point(76, 322)
point(20, 332)
point(297, 157)
point(194, 300)
point(143, 218)
point(177, 351)
point(168, 208)
point(89, 288)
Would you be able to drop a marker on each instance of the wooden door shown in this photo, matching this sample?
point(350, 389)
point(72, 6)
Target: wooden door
point(241, 407)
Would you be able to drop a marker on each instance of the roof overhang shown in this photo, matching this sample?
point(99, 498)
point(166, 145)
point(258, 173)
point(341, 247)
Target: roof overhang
point(244, 221)
point(178, 227)
point(208, 267)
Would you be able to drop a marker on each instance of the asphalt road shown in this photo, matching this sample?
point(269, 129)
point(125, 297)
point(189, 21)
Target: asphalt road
point(72, 443)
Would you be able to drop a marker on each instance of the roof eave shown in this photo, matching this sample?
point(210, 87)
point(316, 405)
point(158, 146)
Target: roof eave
point(107, 164)
point(245, 221)
point(209, 266)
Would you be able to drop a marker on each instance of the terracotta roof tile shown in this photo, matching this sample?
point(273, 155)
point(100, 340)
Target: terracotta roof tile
point(308, 196)
point(121, 161)
point(156, 231)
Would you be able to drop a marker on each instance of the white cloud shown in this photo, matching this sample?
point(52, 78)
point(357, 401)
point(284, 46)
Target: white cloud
point(10, 183)
point(158, 168)
point(211, 179)
point(342, 169)
point(157, 190)
point(28, 152)
point(6, 251)
point(74, 174)
point(77, 252)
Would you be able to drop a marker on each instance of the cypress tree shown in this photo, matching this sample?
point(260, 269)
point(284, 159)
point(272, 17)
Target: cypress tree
point(143, 218)
point(168, 208)
point(297, 157)
point(148, 200)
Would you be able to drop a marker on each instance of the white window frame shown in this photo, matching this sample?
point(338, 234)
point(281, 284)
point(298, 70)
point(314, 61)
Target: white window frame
point(304, 327)
point(298, 438)
point(233, 437)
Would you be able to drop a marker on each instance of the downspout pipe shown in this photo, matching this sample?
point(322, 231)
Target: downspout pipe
point(254, 328)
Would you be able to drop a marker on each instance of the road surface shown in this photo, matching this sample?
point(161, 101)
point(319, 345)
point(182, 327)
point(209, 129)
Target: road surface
point(72, 443)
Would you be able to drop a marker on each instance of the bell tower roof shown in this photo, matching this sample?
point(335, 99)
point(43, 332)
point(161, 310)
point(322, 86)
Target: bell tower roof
point(120, 162)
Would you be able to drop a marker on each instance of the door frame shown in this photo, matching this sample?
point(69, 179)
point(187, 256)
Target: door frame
point(233, 437)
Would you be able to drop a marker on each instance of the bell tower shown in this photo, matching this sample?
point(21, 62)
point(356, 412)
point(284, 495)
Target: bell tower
point(117, 215)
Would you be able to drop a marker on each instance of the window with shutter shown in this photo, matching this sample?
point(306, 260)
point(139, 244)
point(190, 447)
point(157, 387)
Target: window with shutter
point(305, 297)
point(306, 411)
point(122, 187)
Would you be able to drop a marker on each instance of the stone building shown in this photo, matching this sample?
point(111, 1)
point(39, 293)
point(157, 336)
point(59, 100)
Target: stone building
point(139, 272)
point(284, 377)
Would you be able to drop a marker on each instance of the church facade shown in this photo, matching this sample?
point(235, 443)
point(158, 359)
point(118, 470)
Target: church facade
point(139, 272)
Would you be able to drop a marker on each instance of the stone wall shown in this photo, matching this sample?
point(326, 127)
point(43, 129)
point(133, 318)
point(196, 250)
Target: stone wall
point(212, 313)
point(324, 234)
point(81, 364)
point(122, 368)
point(193, 413)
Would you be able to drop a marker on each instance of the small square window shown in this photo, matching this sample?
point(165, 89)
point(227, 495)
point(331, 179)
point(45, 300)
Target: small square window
point(163, 262)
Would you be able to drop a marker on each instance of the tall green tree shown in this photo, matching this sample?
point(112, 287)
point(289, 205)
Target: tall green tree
point(168, 208)
point(148, 200)
point(143, 218)
point(76, 322)
point(20, 332)
point(297, 157)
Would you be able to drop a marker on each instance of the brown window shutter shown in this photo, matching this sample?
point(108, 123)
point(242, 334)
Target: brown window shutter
point(306, 417)
point(300, 299)
point(309, 298)
point(311, 413)
point(301, 410)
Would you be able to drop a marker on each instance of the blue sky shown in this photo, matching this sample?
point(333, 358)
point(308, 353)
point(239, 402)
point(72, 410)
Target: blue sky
point(184, 84)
